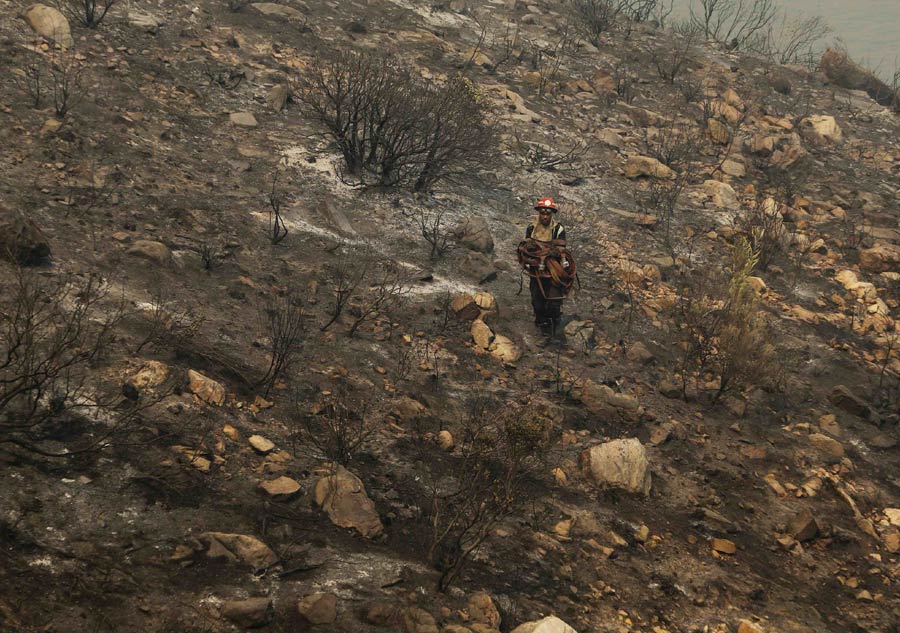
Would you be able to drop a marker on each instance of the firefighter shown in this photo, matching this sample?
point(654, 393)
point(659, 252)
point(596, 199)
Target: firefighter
point(546, 300)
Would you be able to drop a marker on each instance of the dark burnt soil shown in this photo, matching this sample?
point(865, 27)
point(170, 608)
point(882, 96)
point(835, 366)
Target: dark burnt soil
point(97, 543)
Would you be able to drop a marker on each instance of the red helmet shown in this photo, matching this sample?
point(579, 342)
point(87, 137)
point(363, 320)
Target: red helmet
point(546, 203)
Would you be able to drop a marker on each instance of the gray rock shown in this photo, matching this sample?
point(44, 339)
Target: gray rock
point(243, 119)
point(475, 234)
point(156, 252)
point(619, 464)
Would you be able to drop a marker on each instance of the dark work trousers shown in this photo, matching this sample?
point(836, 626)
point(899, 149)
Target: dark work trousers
point(546, 311)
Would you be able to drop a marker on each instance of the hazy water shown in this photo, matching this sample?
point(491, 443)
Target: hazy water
point(870, 29)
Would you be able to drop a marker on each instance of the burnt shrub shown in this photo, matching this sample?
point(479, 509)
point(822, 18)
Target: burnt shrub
point(394, 129)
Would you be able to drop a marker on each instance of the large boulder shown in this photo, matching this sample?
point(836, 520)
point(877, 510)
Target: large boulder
point(50, 23)
point(881, 258)
point(22, 242)
point(722, 194)
point(550, 624)
point(821, 129)
point(318, 608)
point(619, 464)
point(846, 73)
point(602, 401)
point(639, 166)
point(474, 233)
point(846, 400)
point(505, 350)
point(482, 610)
point(343, 497)
point(477, 266)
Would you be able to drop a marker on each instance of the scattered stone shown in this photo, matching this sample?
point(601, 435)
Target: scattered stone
point(826, 445)
point(724, 546)
point(734, 169)
point(880, 258)
point(343, 497)
point(638, 166)
point(49, 23)
point(504, 350)
point(821, 129)
point(415, 620)
point(381, 614)
point(610, 138)
point(670, 389)
point(278, 97)
point(243, 119)
point(581, 334)
point(485, 301)
point(22, 242)
point(474, 233)
point(477, 266)
point(638, 353)
point(261, 444)
point(746, 626)
point(405, 409)
point(893, 516)
point(239, 547)
point(550, 624)
point(618, 464)
point(318, 608)
point(642, 534)
point(151, 374)
point(804, 527)
point(846, 400)
point(602, 401)
point(156, 252)
point(250, 613)
point(206, 389)
point(722, 194)
point(464, 307)
point(482, 610)
point(282, 487)
point(147, 22)
point(481, 334)
point(891, 539)
point(829, 424)
point(445, 440)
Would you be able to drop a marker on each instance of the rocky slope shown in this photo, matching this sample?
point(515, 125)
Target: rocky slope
point(653, 509)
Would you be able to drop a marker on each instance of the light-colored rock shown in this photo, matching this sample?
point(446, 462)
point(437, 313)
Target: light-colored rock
point(416, 620)
point(207, 389)
point(610, 138)
point(618, 464)
point(405, 409)
point(482, 610)
point(746, 626)
point(724, 546)
point(638, 166)
point(343, 497)
point(464, 307)
point(250, 613)
point(722, 194)
point(278, 96)
point(445, 440)
point(475, 233)
point(318, 608)
point(485, 301)
point(239, 547)
point(891, 538)
point(804, 526)
point(281, 487)
point(718, 131)
point(504, 350)
point(147, 22)
point(893, 516)
point(880, 258)
point(827, 446)
point(50, 23)
point(151, 374)
point(550, 624)
point(154, 251)
point(481, 334)
point(243, 119)
point(734, 169)
point(602, 401)
point(580, 334)
point(638, 353)
point(261, 444)
point(821, 129)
